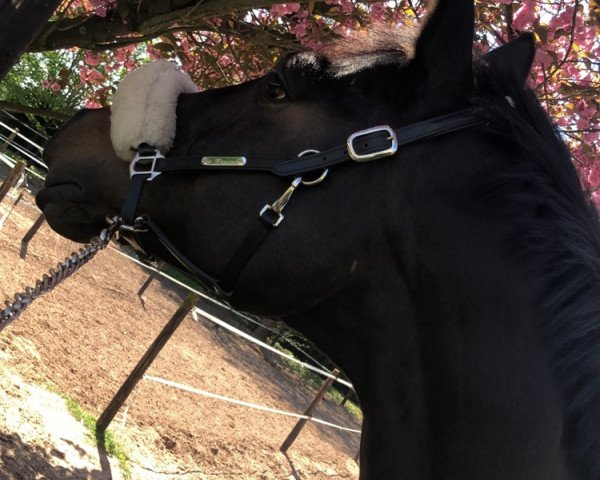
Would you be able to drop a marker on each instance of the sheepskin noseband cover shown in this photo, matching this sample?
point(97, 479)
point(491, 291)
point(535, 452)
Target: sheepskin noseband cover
point(144, 107)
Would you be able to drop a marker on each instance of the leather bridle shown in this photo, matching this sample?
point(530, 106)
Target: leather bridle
point(363, 146)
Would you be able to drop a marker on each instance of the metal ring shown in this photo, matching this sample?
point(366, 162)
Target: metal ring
point(310, 183)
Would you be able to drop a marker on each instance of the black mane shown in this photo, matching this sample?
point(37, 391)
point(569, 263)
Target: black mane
point(562, 241)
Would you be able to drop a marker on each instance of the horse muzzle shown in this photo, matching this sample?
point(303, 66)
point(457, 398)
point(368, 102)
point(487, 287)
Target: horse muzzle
point(70, 213)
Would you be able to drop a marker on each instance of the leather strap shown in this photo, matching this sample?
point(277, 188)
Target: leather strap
point(134, 193)
point(249, 246)
point(150, 163)
point(369, 143)
point(144, 222)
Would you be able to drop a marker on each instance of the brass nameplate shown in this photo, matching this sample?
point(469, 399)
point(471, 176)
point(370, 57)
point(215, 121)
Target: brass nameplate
point(223, 161)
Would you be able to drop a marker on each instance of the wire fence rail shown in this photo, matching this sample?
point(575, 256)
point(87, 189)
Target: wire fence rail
point(243, 403)
point(8, 137)
point(229, 327)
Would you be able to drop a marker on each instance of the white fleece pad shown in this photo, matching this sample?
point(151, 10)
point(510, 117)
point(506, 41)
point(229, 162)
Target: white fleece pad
point(143, 107)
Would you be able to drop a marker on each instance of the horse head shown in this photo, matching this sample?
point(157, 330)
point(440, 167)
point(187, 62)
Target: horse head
point(409, 269)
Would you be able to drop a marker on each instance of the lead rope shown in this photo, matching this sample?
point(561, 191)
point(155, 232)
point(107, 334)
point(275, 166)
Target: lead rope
point(56, 275)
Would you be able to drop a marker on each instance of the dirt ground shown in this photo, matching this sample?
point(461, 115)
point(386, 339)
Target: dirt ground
point(84, 338)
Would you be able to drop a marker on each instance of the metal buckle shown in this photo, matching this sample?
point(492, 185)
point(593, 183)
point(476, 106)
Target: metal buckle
point(136, 227)
point(269, 207)
point(123, 227)
point(357, 157)
point(145, 155)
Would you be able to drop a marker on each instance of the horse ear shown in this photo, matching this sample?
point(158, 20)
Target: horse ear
point(515, 58)
point(444, 50)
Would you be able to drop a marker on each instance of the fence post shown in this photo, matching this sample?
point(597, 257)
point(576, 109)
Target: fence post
point(300, 425)
point(9, 139)
point(13, 177)
point(138, 372)
point(148, 281)
point(347, 395)
point(29, 235)
point(10, 210)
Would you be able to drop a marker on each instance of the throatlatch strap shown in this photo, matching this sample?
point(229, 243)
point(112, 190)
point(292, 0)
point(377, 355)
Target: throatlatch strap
point(145, 222)
point(251, 243)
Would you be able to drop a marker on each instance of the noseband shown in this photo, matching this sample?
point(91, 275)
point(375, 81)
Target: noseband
point(363, 146)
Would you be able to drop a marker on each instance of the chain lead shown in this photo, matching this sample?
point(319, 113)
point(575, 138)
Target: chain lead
point(56, 275)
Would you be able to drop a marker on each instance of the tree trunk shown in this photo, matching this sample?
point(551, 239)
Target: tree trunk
point(143, 20)
point(20, 22)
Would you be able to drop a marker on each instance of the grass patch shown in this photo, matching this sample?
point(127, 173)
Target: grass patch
point(316, 381)
point(106, 440)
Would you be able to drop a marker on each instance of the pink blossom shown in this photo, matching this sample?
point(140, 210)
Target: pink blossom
point(101, 6)
point(282, 9)
point(225, 61)
point(563, 20)
point(300, 29)
point(347, 6)
point(378, 11)
point(594, 176)
point(155, 54)
point(91, 59)
point(90, 75)
point(563, 121)
point(525, 16)
point(122, 54)
point(542, 57)
point(585, 110)
point(92, 103)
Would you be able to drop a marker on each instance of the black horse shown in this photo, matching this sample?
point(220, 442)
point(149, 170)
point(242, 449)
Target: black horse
point(455, 280)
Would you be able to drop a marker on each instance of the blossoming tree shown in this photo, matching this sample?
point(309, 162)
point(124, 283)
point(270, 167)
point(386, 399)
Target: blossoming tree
point(228, 41)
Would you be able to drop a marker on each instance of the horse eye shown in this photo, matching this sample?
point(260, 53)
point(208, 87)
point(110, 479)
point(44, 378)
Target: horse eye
point(275, 91)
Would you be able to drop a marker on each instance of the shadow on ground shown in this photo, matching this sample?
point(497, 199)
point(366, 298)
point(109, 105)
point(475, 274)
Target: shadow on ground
point(26, 462)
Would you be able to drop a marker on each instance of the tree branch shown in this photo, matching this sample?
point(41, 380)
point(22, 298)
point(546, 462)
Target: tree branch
point(572, 40)
point(15, 107)
point(19, 24)
point(154, 18)
point(508, 9)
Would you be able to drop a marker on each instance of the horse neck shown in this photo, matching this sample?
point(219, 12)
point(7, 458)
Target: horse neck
point(438, 333)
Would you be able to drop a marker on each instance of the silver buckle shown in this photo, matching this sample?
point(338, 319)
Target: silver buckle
point(154, 156)
point(393, 148)
point(269, 207)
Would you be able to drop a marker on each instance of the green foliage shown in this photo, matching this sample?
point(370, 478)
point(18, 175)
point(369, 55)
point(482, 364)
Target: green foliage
point(316, 381)
point(31, 82)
